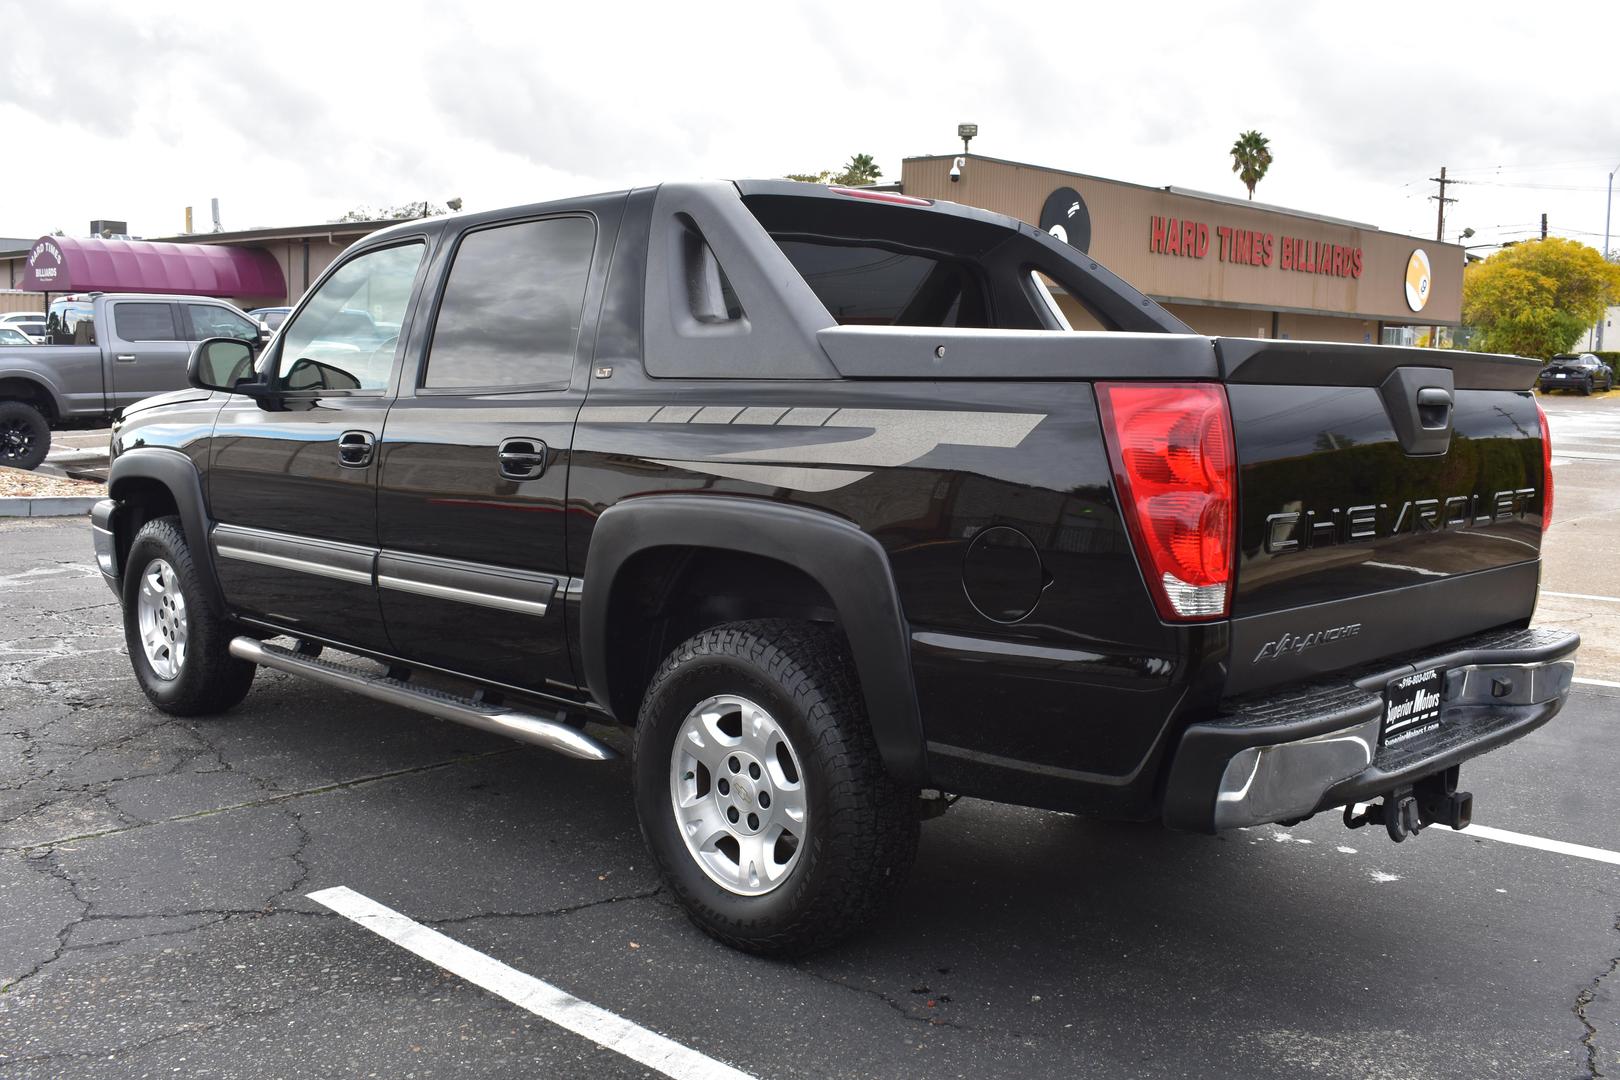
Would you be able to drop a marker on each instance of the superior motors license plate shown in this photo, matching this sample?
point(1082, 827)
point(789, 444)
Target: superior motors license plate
point(1412, 706)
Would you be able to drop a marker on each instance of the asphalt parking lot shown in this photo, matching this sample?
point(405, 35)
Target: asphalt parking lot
point(155, 875)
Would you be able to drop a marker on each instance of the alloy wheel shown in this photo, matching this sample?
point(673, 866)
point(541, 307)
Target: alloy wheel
point(160, 611)
point(16, 440)
point(738, 794)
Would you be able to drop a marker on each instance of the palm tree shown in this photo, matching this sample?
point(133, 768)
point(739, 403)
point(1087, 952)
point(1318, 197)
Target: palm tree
point(1251, 157)
point(860, 170)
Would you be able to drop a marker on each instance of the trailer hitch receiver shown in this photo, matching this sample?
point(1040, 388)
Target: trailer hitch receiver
point(1403, 812)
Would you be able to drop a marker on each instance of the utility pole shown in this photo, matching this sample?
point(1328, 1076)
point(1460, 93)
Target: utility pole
point(1544, 226)
point(1607, 207)
point(1440, 226)
point(1440, 235)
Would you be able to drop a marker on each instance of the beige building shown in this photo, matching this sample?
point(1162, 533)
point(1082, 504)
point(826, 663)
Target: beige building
point(1223, 266)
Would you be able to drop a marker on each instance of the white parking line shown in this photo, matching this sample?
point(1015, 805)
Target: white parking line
point(1582, 455)
point(1596, 682)
point(1581, 596)
point(525, 991)
point(1541, 843)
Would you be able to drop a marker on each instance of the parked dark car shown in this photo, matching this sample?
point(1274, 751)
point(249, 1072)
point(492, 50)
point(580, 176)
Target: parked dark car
point(815, 492)
point(1576, 371)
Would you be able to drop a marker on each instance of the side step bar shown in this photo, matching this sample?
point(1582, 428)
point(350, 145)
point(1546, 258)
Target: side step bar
point(526, 727)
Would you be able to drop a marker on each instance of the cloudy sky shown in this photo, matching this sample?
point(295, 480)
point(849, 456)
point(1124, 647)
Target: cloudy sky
point(294, 112)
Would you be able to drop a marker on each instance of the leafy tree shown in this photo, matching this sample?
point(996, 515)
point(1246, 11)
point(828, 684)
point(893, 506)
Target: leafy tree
point(396, 213)
point(1535, 298)
point(859, 170)
point(1251, 157)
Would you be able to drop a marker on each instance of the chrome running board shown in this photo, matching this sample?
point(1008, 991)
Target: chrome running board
point(526, 727)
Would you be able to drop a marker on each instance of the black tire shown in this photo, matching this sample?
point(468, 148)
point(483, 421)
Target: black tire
point(209, 679)
point(1586, 387)
point(25, 437)
point(862, 824)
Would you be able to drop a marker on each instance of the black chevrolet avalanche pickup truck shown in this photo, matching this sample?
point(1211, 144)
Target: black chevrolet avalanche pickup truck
point(818, 493)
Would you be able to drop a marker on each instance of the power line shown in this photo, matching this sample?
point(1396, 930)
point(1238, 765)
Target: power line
point(1533, 187)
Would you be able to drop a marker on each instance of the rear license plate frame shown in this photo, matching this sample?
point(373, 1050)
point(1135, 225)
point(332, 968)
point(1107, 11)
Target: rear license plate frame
point(1413, 706)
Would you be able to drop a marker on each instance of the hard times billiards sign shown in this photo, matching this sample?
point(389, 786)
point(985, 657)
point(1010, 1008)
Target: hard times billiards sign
point(1197, 240)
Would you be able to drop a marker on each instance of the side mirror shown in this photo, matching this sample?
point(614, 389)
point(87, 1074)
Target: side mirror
point(226, 363)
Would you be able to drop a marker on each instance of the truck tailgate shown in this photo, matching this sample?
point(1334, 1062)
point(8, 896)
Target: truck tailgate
point(1388, 499)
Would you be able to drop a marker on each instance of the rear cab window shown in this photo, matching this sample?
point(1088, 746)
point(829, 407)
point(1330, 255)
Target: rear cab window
point(70, 322)
point(144, 321)
point(873, 264)
point(870, 285)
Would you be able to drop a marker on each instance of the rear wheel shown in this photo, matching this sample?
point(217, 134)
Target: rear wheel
point(1586, 387)
point(25, 437)
point(760, 791)
point(179, 643)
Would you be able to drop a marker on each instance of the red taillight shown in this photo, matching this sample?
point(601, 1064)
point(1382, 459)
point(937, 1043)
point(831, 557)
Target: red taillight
point(883, 196)
point(1174, 467)
point(1546, 470)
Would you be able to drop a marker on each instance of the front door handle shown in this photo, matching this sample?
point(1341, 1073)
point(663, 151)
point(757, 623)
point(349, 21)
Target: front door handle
point(125, 358)
point(522, 459)
point(354, 449)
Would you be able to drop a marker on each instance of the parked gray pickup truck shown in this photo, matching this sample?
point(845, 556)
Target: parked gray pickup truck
point(105, 351)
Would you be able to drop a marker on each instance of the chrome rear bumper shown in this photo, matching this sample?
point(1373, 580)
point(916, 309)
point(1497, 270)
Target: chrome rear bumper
point(1283, 756)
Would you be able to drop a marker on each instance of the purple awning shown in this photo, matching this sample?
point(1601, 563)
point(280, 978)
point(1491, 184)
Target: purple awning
point(68, 264)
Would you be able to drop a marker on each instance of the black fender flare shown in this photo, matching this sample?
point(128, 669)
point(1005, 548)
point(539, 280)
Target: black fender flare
point(178, 473)
point(846, 562)
point(35, 379)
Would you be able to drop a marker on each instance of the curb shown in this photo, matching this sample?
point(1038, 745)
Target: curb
point(49, 506)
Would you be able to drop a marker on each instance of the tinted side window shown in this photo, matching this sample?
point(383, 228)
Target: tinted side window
point(209, 321)
point(872, 286)
point(346, 335)
point(511, 308)
point(144, 322)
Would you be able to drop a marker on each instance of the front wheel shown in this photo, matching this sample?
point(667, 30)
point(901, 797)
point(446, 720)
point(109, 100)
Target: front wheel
point(760, 791)
point(25, 437)
point(179, 644)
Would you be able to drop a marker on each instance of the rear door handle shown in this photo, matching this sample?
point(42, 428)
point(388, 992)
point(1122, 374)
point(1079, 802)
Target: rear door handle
point(354, 449)
point(522, 459)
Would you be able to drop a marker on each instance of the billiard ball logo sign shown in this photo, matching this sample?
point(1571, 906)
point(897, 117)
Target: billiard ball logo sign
point(1419, 277)
point(1065, 216)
